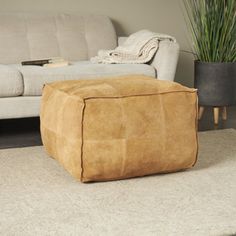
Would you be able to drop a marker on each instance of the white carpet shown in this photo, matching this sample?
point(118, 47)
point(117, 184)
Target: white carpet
point(37, 197)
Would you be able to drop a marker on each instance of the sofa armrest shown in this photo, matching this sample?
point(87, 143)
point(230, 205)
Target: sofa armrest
point(165, 60)
point(121, 40)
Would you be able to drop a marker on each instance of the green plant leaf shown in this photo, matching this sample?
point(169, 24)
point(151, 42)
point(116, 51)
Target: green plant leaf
point(212, 24)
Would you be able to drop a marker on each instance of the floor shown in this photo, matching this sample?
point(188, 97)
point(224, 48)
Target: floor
point(25, 132)
point(38, 197)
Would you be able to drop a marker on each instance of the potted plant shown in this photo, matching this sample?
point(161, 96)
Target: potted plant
point(213, 29)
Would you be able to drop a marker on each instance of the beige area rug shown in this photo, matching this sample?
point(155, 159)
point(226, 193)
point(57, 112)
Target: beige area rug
point(37, 197)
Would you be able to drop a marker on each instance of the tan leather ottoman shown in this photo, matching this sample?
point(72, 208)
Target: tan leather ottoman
point(116, 128)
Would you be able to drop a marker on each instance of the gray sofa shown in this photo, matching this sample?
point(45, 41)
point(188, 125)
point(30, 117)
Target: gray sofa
point(77, 38)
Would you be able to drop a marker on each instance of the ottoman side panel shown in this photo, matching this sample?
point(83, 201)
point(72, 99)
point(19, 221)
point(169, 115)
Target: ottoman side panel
point(139, 135)
point(161, 133)
point(103, 139)
point(181, 127)
point(61, 128)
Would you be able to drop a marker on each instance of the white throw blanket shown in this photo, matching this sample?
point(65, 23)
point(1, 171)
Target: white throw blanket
point(139, 47)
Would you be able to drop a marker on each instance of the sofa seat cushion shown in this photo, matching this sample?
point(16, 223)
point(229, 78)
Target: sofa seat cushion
point(11, 82)
point(35, 76)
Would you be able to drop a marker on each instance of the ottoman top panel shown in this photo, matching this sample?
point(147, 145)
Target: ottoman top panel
point(122, 86)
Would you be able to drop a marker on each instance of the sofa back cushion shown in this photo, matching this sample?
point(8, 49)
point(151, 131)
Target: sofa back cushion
point(26, 36)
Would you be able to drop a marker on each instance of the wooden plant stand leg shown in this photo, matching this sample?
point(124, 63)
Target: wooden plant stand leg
point(200, 112)
point(224, 113)
point(216, 115)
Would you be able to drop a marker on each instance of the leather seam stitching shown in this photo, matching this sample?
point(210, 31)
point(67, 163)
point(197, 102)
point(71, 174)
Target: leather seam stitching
point(82, 142)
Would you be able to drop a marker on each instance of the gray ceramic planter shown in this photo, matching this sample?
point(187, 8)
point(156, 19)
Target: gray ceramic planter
point(216, 83)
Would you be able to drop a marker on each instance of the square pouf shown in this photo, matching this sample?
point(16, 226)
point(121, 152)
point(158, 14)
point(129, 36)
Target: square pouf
point(116, 128)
